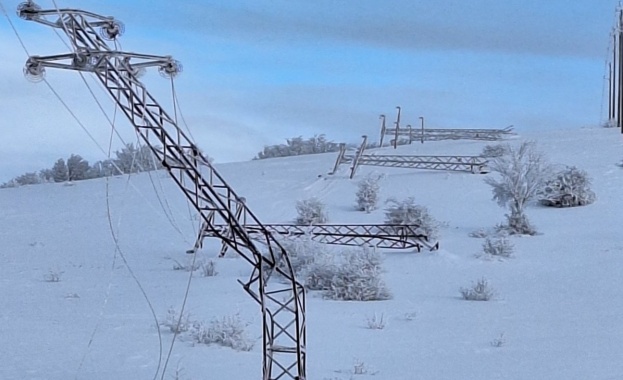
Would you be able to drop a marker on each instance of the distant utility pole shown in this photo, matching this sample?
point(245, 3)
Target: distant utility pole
point(619, 108)
point(610, 91)
point(397, 127)
point(613, 78)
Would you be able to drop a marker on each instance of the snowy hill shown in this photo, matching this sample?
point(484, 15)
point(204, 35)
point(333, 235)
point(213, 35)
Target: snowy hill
point(559, 304)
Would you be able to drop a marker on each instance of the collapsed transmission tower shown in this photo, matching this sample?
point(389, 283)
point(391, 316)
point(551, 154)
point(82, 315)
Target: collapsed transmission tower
point(282, 305)
point(473, 164)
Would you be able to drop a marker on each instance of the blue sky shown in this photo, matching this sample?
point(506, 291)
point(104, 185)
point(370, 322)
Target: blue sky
point(257, 72)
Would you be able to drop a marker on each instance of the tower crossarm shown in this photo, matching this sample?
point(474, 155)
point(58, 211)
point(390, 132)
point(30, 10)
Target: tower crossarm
point(377, 235)
point(435, 134)
point(282, 305)
point(474, 164)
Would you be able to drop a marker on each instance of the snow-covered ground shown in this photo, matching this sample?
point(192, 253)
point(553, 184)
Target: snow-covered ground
point(559, 304)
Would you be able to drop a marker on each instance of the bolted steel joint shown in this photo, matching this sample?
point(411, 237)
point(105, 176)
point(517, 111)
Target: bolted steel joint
point(82, 58)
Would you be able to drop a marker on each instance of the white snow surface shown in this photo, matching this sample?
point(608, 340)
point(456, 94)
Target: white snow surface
point(559, 301)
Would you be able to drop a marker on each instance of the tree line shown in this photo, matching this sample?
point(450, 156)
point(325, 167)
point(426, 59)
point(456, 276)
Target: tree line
point(129, 159)
point(297, 146)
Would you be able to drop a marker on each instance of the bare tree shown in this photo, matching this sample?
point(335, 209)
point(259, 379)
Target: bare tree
point(521, 173)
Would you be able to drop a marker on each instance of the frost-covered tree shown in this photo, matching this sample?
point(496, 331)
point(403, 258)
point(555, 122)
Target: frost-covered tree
point(567, 188)
point(59, 171)
point(28, 179)
point(146, 160)
point(126, 159)
point(368, 192)
point(521, 172)
point(407, 212)
point(311, 211)
point(297, 146)
point(46, 175)
point(77, 168)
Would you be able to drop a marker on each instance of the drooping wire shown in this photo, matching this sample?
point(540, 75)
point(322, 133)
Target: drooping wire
point(13, 27)
point(192, 265)
point(175, 111)
point(112, 269)
point(112, 232)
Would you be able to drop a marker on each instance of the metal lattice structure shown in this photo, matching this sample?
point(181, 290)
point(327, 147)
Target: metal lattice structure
point(409, 134)
point(376, 235)
point(282, 304)
point(472, 164)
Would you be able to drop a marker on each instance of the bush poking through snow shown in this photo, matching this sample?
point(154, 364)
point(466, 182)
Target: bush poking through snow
point(496, 150)
point(521, 174)
point(359, 368)
point(353, 275)
point(479, 291)
point(188, 267)
point(311, 211)
point(376, 322)
point(208, 268)
point(368, 192)
point(301, 251)
point(567, 188)
point(229, 331)
point(53, 275)
point(501, 247)
point(499, 341)
point(177, 323)
point(407, 212)
point(479, 233)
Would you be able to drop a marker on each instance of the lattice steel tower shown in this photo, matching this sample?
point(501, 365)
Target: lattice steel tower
point(283, 306)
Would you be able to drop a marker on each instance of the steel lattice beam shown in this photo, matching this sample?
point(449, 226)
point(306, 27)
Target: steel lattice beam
point(446, 134)
point(473, 164)
point(377, 235)
point(283, 306)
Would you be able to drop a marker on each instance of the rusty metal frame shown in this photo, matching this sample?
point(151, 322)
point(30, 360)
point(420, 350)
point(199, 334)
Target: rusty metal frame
point(282, 304)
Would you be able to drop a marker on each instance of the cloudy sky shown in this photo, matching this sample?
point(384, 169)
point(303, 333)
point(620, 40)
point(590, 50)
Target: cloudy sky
point(257, 72)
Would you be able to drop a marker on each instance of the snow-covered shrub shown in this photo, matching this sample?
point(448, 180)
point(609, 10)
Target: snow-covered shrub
point(495, 150)
point(53, 275)
point(499, 341)
point(610, 123)
point(189, 266)
point(353, 275)
point(567, 188)
point(376, 322)
point(302, 252)
point(311, 211)
point(208, 268)
point(407, 212)
point(479, 291)
point(319, 272)
point(521, 173)
point(501, 247)
point(368, 192)
point(479, 233)
point(177, 323)
point(229, 331)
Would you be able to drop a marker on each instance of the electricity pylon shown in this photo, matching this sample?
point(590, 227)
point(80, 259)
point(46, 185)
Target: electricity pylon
point(282, 305)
